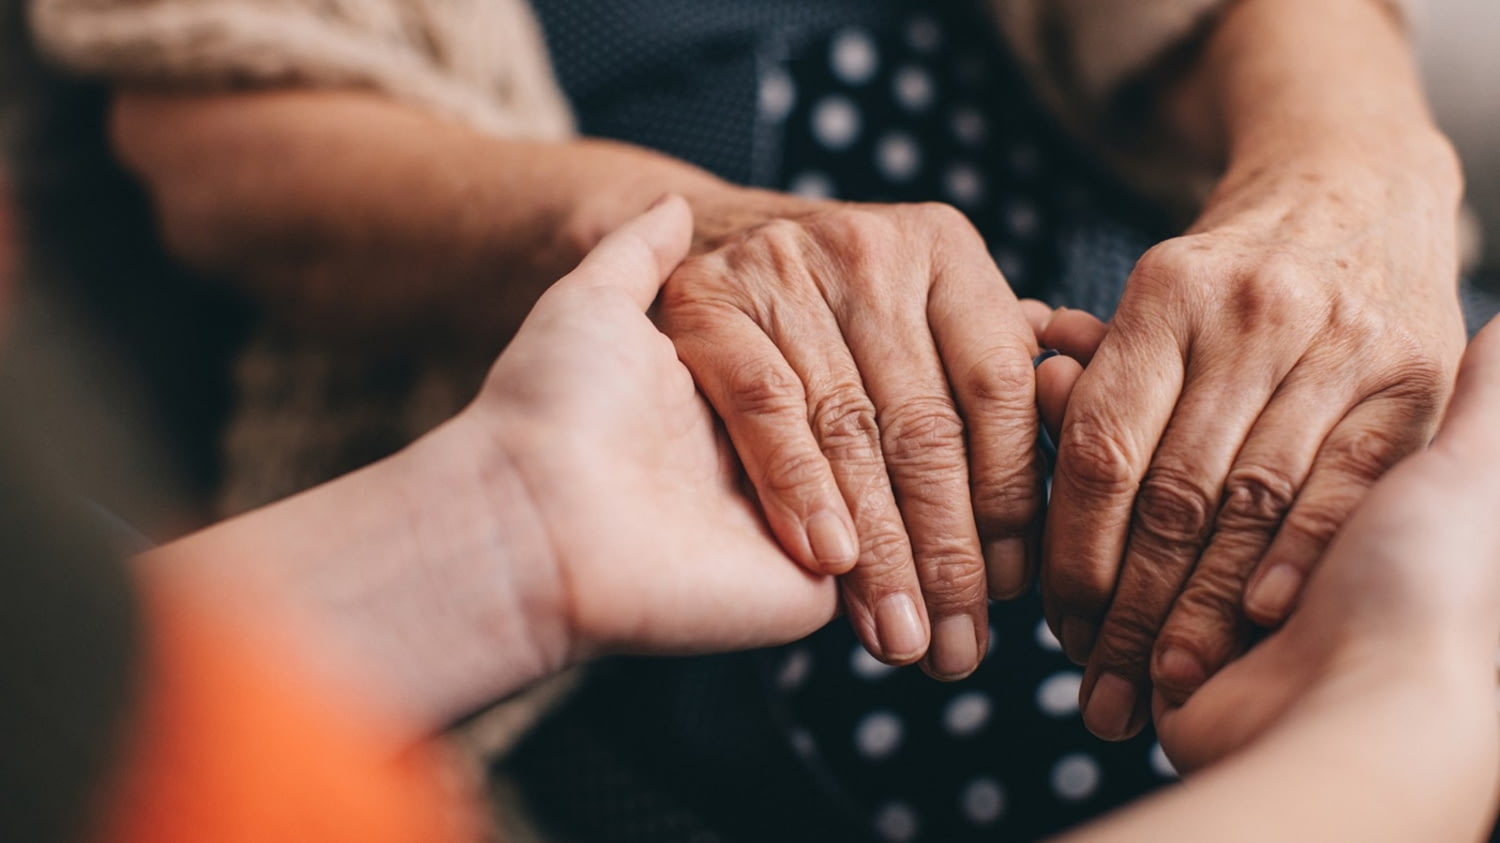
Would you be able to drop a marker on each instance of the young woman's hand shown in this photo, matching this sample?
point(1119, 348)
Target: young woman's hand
point(656, 546)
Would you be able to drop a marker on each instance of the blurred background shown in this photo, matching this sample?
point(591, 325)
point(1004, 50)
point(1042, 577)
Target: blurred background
point(1461, 62)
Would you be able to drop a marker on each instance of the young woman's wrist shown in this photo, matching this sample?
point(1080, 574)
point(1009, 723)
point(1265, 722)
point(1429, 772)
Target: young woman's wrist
point(497, 598)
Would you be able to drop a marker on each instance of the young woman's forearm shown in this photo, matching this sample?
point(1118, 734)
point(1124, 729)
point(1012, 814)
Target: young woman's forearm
point(362, 216)
point(423, 584)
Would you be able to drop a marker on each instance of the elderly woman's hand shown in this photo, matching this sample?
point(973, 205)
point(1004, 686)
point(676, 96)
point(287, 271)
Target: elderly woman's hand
point(1260, 374)
point(1410, 588)
point(873, 370)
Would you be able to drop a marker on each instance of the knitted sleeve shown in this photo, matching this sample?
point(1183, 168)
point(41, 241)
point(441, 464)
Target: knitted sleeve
point(1083, 55)
point(480, 61)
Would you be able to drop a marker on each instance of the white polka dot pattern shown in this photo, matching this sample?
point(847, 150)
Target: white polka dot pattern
point(1161, 763)
point(853, 57)
point(898, 157)
point(983, 801)
point(964, 184)
point(896, 822)
point(1057, 696)
point(813, 185)
point(1075, 777)
point(836, 123)
point(967, 713)
point(866, 666)
point(913, 88)
point(795, 668)
point(878, 735)
point(778, 95)
point(1045, 639)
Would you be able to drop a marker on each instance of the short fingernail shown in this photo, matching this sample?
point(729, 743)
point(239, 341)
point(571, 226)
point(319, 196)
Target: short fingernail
point(1078, 639)
point(899, 627)
point(1110, 708)
point(1272, 595)
point(1006, 561)
point(955, 648)
point(831, 542)
point(1180, 670)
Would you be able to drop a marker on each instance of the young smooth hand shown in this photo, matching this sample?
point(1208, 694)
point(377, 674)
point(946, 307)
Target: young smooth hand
point(654, 545)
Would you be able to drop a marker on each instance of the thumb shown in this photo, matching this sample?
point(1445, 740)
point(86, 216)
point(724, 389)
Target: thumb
point(638, 256)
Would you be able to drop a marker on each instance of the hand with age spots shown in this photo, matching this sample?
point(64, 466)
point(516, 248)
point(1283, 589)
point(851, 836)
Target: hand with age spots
point(873, 370)
point(1260, 374)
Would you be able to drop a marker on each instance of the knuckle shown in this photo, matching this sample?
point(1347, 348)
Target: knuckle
point(1167, 265)
point(1078, 588)
point(1211, 599)
point(1173, 511)
point(761, 386)
point(889, 552)
point(1364, 456)
point(845, 425)
point(1126, 639)
point(1007, 499)
point(1318, 520)
point(1092, 460)
point(788, 470)
point(860, 232)
point(947, 220)
point(952, 577)
point(1256, 498)
point(924, 434)
point(1001, 380)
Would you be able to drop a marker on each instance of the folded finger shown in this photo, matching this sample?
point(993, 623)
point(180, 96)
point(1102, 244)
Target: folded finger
point(1207, 626)
point(1370, 439)
point(1173, 518)
point(1115, 417)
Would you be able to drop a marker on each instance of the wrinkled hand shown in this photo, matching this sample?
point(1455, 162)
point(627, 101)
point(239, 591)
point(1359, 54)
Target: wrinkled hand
point(1260, 373)
point(873, 370)
point(657, 548)
point(1410, 587)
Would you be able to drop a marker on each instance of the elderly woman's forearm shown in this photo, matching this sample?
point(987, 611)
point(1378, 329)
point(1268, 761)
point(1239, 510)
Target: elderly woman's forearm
point(1285, 75)
point(354, 214)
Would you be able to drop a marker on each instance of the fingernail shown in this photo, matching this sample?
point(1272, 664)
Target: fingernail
point(1005, 560)
point(1110, 708)
point(831, 543)
point(1273, 593)
point(1180, 670)
point(660, 201)
point(899, 627)
point(1078, 639)
point(955, 648)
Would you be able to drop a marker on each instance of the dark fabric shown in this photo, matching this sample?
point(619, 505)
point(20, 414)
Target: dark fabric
point(88, 230)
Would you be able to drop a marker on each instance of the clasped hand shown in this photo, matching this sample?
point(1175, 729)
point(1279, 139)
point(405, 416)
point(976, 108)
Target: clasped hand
point(873, 373)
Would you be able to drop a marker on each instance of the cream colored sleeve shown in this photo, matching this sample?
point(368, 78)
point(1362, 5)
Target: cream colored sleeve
point(480, 61)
